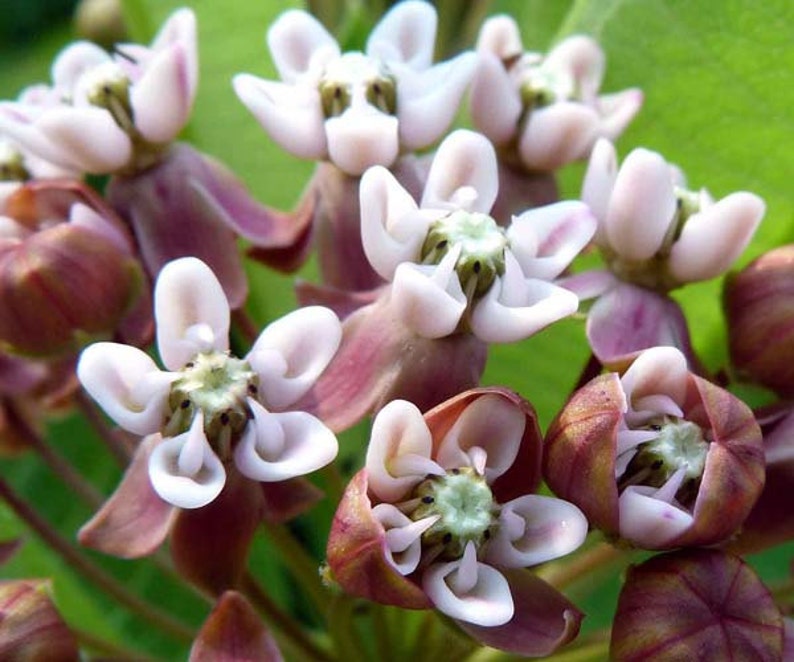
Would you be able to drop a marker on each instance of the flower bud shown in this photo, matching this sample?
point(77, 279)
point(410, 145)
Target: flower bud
point(759, 305)
point(695, 600)
point(63, 274)
point(658, 456)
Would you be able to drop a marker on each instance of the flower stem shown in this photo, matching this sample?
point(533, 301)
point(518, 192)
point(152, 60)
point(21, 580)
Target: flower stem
point(292, 633)
point(106, 649)
point(561, 574)
point(587, 652)
point(113, 439)
point(92, 572)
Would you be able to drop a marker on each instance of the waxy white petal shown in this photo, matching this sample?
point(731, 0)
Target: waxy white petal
point(642, 205)
point(487, 603)
point(549, 528)
point(180, 28)
point(399, 430)
point(582, 58)
point(649, 522)
point(713, 239)
point(494, 102)
point(73, 61)
point(659, 371)
point(292, 352)
point(280, 446)
point(185, 471)
point(18, 122)
point(406, 33)
point(392, 228)
point(557, 134)
point(299, 44)
point(599, 180)
point(362, 137)
point(403, 537)
point(500, 36)
point(291, 114)
point(463, 174)
point(127, 384)
point(617, 110)
point(191, 311)
point(490, 423)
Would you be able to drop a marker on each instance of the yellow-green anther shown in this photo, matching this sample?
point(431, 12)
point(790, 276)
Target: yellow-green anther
point(335, 98)
point(12, 164)
point(110, 89)
point(687, 204)
point(356, 73)
point(382, 93)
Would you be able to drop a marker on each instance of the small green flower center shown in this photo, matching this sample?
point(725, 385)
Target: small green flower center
point(482, 248)
point(217, 385)
point(12, 164)
point(355, 69)
point(466, 509)
point(679, 445)
point(108, 87)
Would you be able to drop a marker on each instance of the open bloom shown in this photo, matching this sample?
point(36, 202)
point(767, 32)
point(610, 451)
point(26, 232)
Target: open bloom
point(658, 456)
point(110, 113)
point(357, 109)
point(655, 236)
point(442, 515)
point(544, 111)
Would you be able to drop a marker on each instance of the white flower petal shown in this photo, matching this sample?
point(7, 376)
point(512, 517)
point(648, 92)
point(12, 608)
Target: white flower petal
point(74, 60)
point(18, 121)
point(191, 311)
point(580, 57)
point(291, 114)
point(279, 446)
point(649, 522)
point(617, 110)
point(362, 137)
point(403, 537)
point(299, 44)
point(500, 35)
point(556, 135)
point(127, 384)
point(547, 239)
point(392, 229)
point(292, 352)
point(184, 470)
point(398, 430)
point(494, 101)
point(180, 28)
point(656, 371)
point(642, 205)
point(552, 528)
point(488, 603)
point(516, 307)
point(429, 299)
point(406, 33)
point(599, 180)
point(491, 423)
point(711, 240)
point(465, 161)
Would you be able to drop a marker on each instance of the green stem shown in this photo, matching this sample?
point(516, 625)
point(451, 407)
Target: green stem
point(292, 634)
point(106, 649)
point(383, 641)
point(593, 650)
point(561, 574)
point(92, 572)
point(113, 439)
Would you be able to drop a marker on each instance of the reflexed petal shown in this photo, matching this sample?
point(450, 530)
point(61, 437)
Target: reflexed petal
point(463, 174)
point(487, 603)
point(392, 229)
point(658, 371)
point(490, 423)
point(292, 352)
point(292, 115)
point(546, 240)
point(648, 522)
point(299, 44)
point(398, 433)
point(406, 33)
point(429, 299)
point(617, 110)
point(427, 101)
point(581, 57)
point(403, 536)
point(362, 137)
point(127, 384)
point(500, 35)
point(161, 100)
point(642, 205)
point(91, 137)
point(191, 311)
point(516, 307)
point(711, 240)
point(556, 135)
point(494, 102)
point(185, 471)
point(280, 446)
point(550, 528)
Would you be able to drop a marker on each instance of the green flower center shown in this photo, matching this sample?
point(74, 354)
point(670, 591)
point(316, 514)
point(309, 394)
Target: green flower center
point(12, 164)
point(482, 249)
point(353, 69)
point(465, 507)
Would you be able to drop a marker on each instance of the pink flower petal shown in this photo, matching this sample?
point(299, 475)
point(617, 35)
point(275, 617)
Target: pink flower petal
point(303, 444)
point(500, 35)
point(127, 384)
point(73, 61)
point(403, 537)
point(180, 29)
point(299, 44)
point(556, 135)
point(362, 137)
point(491, 423)
point(589, 284)
point(617, 110)
point(642, 205)
point(463, 174)
point(599, 180)
point(581, 57)
point(711, 240)
point(649, 522)
point(406, 33)
point(494, 101)
point(191, 310)
point(292, 352)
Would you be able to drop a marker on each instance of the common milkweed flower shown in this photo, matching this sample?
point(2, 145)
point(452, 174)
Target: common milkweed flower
point(357, 109)
point(657, 456)
point(442, 515)
point(543, 111)
point(211, 410)
point(655, 235)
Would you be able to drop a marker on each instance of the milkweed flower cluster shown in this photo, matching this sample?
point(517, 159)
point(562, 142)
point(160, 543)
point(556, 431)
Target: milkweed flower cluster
point(123, 292)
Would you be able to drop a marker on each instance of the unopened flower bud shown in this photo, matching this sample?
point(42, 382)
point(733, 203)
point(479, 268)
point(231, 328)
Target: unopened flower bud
point(759, 305)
